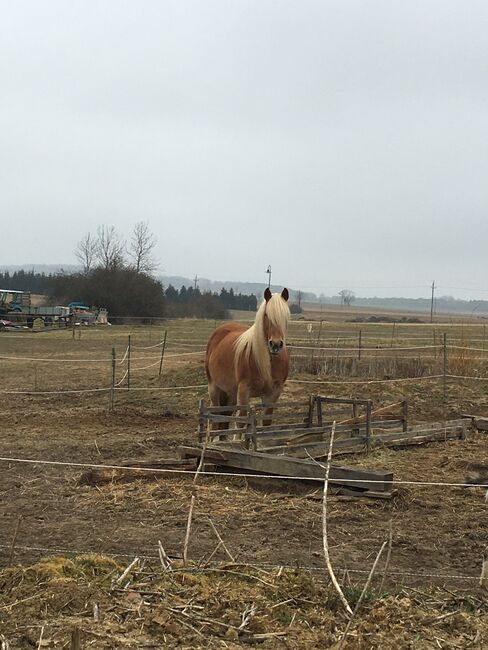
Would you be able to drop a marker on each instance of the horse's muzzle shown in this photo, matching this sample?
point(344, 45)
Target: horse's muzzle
point(275, 347)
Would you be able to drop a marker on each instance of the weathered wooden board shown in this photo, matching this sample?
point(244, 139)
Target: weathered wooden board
point(265, 463)
point(357, 444)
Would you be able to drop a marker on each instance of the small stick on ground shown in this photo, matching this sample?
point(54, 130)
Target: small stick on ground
point(163, 557)
point(388, 556)
point(5, 644)
point(126, 572)
point(324, 526)
point(221, 541)
point(192, 503)
point(39, 645)
point(360, 599)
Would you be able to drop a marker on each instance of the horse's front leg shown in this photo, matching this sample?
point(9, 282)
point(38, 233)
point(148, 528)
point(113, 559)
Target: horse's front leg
point(270, 398)
point(242, 400)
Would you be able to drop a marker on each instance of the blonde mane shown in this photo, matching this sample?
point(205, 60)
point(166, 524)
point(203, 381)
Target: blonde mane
point(252, 341)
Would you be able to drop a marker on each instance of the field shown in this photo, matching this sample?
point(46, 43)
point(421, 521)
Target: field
point(430, 597)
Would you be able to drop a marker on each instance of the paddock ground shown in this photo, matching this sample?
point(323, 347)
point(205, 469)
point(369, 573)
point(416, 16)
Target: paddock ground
point(438, 532)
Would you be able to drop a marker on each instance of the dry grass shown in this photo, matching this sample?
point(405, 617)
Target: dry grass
point(226, 606)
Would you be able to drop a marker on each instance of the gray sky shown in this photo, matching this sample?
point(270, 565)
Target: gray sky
point(344, 143)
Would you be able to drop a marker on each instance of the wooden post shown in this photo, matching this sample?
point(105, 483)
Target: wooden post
point(319, 411)
point(354, 430)
point(75, 641)
point(128, 365)
point(112, 392)
point(251, 435)
point(369, 408)
point(444, 371)
point(162, 352)
point(484, 339)
point(201, 421)
point(73, 320)
point(311, 404)
point(405, 414)
point(359, 344)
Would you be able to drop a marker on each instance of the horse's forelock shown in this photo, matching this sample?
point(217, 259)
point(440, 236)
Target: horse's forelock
point(277, 311)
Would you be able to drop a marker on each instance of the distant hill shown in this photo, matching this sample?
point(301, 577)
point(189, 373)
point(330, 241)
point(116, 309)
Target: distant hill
point(443, 304)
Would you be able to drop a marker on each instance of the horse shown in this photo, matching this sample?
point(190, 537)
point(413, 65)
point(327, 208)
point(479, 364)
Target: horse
point(243, 362)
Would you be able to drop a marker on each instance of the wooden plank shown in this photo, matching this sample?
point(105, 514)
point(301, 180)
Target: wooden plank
point(337, 400)
point(380, 411)
point(423, 426)
point(258, 462)
point(481, 424)
point(357, 444)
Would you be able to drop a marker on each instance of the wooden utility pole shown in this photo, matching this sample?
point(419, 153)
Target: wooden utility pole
point(432, 303)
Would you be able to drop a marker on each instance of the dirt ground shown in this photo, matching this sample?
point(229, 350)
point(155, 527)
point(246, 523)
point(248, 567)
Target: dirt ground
point(438, 533)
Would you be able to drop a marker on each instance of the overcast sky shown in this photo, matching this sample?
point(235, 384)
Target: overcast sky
point(345, 143)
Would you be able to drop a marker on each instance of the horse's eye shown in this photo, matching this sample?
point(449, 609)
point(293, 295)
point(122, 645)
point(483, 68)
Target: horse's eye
point(281, 344)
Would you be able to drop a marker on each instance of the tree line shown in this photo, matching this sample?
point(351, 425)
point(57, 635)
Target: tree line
point(119, 276)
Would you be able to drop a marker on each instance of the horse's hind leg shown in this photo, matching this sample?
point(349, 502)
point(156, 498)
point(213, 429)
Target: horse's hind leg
point(218, 398)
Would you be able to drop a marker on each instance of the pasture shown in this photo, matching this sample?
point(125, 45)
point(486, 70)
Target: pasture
point(438, 532)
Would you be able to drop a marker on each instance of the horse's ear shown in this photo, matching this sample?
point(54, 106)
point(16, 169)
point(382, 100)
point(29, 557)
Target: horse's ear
point(284, 294)
point(267, 294)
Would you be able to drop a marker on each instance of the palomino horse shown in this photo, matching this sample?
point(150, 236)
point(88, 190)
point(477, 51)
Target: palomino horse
point(250, 362)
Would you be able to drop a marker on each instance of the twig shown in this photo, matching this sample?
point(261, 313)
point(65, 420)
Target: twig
point(14, 539)
point(221, 541)
point(360, 599)
point(40, 638)
point(163, 557)
point(127, 571)
point(188, 529)
point(5, 644)
point(192, 503)
point(324, 526)
point(388, 556)
point(246, 616)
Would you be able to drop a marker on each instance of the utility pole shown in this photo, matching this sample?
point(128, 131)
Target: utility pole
point(432, 303)
point(195, 280)
point(268, 271)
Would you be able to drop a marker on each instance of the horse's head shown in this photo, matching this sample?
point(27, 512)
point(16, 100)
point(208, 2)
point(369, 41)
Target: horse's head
point(275, 320)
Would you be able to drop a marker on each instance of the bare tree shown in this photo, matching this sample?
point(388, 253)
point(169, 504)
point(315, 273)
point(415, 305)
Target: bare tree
point(347, 297)
point(87, 251)
point(110, 248)
point(141, 246)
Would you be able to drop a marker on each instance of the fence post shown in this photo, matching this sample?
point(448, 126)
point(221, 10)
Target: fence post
point(162, 353)
point(112, 392)
point(201, 421)
point(311, 405)
point(444, 371)
point(369, 408)
point(360, 344)
point(128, 365)
point(405, 414)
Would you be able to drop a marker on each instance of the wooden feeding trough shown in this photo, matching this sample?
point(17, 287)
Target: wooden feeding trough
point(299, 435)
